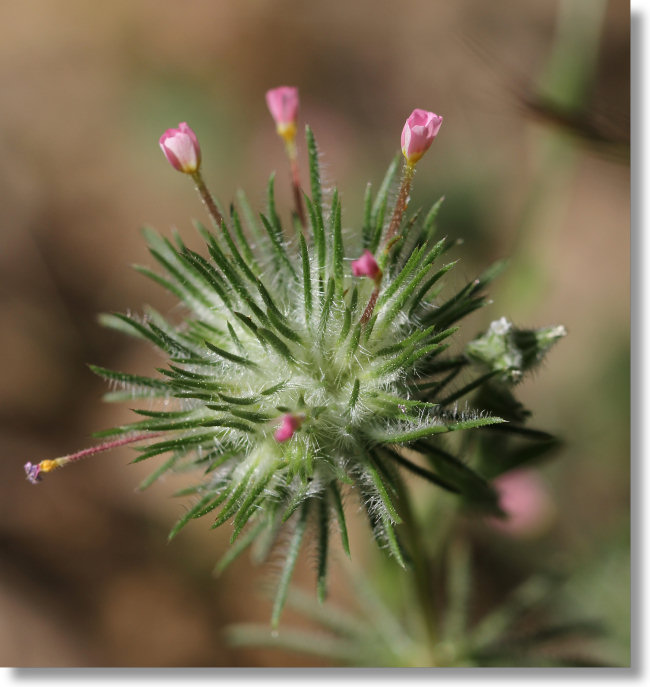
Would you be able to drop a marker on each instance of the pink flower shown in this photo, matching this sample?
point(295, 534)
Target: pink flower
point(290, 424)
point(33, 472)
point(283, 106)
point(418, 133)
point(366, 266)
point(526, 502)
point(181, 148)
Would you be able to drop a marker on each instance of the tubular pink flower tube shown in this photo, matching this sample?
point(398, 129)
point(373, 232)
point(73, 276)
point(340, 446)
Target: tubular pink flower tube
point(290, 424)
point(181, 148)
point(283, 106)
point(418, 133)
point(366, 266)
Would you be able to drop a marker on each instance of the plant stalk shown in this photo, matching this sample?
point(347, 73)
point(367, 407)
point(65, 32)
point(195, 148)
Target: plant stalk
point(421, 566)
point(207, 199)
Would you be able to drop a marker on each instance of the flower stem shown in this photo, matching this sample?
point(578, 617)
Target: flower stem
point(391, 236)
point(295, 183)
point(34, 471)
point(400, 209)
point(207, 199)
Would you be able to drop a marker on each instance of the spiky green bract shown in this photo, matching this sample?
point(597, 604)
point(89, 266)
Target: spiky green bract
point(274, 327)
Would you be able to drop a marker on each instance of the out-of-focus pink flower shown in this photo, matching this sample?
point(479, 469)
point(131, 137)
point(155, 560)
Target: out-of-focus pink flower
point(290, 424)
point(525, 500)
point(181, 148)
point(366, 266)
point(418, 133)
point(283, 106)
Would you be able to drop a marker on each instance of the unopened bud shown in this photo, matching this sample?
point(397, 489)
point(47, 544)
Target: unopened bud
point(366, 266)
point(290, 424)
point(418, 133)
point(181, 148)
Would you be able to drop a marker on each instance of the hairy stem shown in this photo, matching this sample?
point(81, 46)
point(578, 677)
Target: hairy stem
point(207, 199)
point(297, 188)
point(391, 236)
point(400, 209)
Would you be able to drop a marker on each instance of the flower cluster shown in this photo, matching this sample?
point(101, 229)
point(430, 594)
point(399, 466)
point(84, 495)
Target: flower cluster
point(307, 362)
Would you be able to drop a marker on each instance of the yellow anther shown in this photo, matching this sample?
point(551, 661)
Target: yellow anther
point(49, 465)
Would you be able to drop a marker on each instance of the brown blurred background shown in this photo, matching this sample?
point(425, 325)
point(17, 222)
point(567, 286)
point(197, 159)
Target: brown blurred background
point(86, 575)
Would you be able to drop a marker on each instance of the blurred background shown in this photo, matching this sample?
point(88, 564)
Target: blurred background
point(533, 160)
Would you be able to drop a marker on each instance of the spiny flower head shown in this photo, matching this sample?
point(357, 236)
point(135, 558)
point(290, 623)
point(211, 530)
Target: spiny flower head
point(292, 380)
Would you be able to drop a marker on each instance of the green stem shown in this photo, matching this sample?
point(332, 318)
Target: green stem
point(421, 566)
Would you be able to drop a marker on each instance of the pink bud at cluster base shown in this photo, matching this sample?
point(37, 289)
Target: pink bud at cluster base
point(366, 266)
point(283, 106)
point(290, 424)
point(181, 148)
point(418, 133)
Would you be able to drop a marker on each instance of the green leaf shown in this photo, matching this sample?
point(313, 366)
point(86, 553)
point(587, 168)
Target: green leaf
point(278, 246)
point(129, 379)
point(337, 504)
point(367, 230)
point(323, 521)
point(422, 293)
point(475, 489)
point(240, 546)
point(398, 436)
point(274, 220)
point(230, 356)
point(190, 514)
point(319, 239)
point(156, 474)
point(326, 307)
point(314, 176)
point(306, 277)
point(233, 503)
point(381, 490)
point(381, 202)
point(429, 227)
point(354, 397)
point(165, 283)
point(289, 565)
point(243, 241)
point(468, 388)
point(277, 344)
point(336, 230)
point(421, 472)
point(250, 217)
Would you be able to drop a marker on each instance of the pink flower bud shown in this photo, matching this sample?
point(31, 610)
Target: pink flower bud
point(526, 502)
point(366, 266)
point(283, 106)
point(181, 148)
point(418, 133)
point(290, 424)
